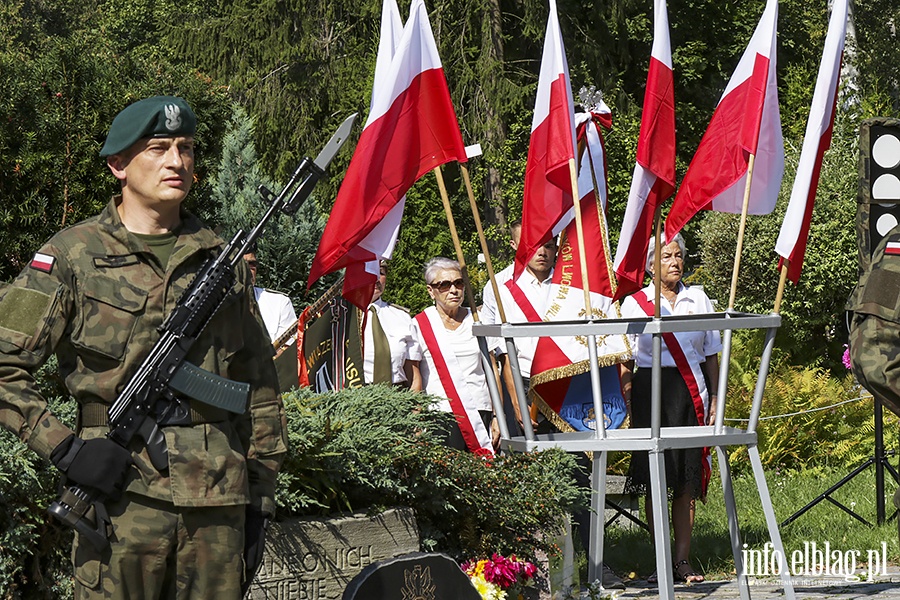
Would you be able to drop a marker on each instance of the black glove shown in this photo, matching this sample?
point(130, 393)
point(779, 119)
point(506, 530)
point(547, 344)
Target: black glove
point(100, 464)
point(255, 525)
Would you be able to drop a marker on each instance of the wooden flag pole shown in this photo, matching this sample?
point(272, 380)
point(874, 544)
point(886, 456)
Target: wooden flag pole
point(518, 384)
point(781, 283)
point(463, 269)
point(573, 174)
point(740, 241)
point(483, 240)
point(596, 390)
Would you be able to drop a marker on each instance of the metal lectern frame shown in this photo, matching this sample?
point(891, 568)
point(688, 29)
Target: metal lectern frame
point(655, 439)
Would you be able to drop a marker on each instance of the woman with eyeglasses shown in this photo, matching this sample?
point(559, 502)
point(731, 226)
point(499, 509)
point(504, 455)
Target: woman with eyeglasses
point(690, 378)
point(451, 365)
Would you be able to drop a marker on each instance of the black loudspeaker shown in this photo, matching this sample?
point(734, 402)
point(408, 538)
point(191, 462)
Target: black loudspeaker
point(879, 184)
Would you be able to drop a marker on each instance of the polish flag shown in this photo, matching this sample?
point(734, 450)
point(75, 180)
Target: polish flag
point(360, 277)
point(412, 128)
point(746, 121)
point(548, 185)
point(654, 174)
point(791, 244)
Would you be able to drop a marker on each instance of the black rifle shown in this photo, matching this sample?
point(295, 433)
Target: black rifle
point(149, 401)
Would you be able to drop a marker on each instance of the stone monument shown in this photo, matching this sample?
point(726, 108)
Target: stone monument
point(315, 559)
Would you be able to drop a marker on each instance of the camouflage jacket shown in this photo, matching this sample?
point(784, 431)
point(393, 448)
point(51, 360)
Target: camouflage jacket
point(875, 327)
point(95, 295)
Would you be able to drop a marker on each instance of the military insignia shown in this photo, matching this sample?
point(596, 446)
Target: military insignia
point(418, 584)
point(892, 248)
point(173, 117)
point(42, 262)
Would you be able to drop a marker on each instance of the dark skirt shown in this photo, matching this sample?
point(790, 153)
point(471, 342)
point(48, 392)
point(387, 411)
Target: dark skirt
point(684, 468)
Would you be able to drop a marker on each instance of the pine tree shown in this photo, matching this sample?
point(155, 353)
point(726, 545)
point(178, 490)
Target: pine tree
point(288, 244)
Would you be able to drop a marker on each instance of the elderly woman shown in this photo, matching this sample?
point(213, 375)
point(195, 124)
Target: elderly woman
point(689, 383)
point(451, 364)
point(390, 354)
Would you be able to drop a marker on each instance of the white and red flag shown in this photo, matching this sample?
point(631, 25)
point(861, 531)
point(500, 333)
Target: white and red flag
point(560, 372)
point(411, 129)
point(654, 174)
point(746, 122)
point(360, 276)
point(791, 244)
point(548, 184)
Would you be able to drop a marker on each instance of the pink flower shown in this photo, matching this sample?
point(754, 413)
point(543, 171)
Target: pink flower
point(501, 571)
point(530, 570)
point(846, 357)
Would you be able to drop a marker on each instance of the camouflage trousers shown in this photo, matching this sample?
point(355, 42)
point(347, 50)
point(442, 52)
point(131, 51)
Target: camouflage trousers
point(159, 550)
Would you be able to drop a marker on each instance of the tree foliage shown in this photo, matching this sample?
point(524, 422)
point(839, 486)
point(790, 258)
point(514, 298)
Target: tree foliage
point(288, 243)
point(299, 68)
point(61, 87)
point(34, 551)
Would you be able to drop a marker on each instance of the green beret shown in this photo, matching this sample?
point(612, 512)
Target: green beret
point(159, 116)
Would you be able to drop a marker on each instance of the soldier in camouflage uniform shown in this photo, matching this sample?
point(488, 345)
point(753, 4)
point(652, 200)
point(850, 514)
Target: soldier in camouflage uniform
point(94, 295)
point(875, 327)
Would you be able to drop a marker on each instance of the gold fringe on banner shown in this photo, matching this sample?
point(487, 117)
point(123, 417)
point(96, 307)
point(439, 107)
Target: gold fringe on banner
point(582, 366)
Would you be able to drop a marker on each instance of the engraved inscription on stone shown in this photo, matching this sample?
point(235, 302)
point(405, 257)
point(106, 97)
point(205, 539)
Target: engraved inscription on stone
point(315, 559)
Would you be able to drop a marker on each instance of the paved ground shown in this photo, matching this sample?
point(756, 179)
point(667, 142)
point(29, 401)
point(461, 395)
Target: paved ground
point(882, 588)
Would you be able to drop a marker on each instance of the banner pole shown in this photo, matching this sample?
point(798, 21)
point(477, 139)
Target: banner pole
point(494, 386)
point(740, 241)
point(595, 551)
point(482, 240)
point(596, 390)
point(725, 364)
point(463, 268)
point(656, 373)
point(512, 356)
point(779, 295)
point(573, 175)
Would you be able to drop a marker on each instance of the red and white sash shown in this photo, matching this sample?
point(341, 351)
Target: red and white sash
point(523, 302)
point(690, 370)
point(449, 373)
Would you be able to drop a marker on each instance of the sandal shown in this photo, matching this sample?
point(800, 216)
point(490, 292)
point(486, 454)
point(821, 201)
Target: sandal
point(653, 579)
point(685, 573)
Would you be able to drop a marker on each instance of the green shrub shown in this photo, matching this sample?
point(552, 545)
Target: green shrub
point(374, 447)
point(33, 550)
point(819, 419)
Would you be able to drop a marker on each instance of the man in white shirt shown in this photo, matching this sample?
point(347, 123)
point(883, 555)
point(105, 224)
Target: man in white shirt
point(524, 301)
point(401, 353)
point(276, 308)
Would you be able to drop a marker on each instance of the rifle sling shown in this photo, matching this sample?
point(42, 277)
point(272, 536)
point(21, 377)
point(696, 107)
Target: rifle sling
point(95, 414)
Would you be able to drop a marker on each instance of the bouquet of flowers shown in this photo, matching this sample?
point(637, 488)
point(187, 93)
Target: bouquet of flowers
point(498, 576)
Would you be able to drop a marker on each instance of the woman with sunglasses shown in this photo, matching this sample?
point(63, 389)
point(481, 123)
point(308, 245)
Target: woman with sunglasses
point(451, 364)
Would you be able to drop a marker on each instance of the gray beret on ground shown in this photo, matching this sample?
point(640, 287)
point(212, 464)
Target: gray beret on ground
point(159, 116)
